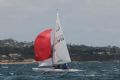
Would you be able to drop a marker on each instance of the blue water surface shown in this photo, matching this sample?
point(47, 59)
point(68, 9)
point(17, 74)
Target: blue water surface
point(90, 70)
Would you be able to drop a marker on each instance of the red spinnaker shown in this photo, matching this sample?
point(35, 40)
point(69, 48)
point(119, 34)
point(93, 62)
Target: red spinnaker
point(42, 45)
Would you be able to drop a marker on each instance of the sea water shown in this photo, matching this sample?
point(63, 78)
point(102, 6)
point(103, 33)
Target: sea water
point(90, 70)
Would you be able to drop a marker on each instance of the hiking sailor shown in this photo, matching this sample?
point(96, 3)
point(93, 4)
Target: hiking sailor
point(61, 66)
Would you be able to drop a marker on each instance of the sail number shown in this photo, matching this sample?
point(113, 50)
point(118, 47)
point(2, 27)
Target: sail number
point(59, 39)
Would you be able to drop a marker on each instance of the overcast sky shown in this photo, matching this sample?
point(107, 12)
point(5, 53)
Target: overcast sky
point(89, 22)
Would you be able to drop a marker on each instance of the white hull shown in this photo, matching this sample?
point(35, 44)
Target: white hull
point(55, 70)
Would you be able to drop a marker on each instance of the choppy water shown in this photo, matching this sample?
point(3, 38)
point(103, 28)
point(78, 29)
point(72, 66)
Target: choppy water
point(108, 70)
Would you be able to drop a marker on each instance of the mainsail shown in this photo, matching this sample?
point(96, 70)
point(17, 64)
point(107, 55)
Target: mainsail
point(42, 48)
point(60, 51)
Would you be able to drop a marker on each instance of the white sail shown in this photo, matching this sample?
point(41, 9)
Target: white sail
point(60, 50)
point(47, 62)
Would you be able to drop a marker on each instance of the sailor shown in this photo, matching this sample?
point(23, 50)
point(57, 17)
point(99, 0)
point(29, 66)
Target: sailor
point(56, 66)
point(65, 66)
point(61, 66)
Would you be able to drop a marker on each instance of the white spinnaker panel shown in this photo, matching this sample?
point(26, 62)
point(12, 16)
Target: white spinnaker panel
point(60, 50)
point(47, 62)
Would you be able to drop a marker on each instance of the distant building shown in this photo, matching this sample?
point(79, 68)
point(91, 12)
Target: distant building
point(14, 55)
point(100, 53)
point(108, 53)
point(3, 57)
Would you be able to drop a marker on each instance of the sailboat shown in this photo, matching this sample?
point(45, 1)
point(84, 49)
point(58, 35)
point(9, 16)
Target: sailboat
point(50, 52)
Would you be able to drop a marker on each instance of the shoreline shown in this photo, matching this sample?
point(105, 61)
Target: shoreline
point(31, 61)
point(26, 61)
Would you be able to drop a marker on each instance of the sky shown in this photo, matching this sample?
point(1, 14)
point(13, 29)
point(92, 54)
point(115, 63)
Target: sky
point(89, 22)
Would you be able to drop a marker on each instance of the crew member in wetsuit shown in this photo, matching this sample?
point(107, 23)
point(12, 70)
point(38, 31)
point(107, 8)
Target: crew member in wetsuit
point(65, 66)
point(61, 66)
point(57, 66)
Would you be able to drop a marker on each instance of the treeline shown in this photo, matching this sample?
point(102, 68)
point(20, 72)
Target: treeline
point(13, 50)
point(83, 49)
point(86, 53)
